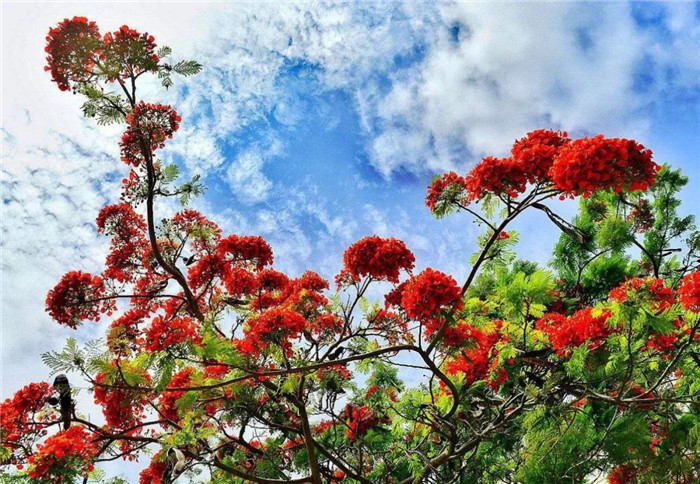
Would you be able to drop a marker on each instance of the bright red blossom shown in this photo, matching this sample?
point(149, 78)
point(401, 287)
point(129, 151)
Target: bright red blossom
point(129, 244)
point(565, 333)
point(124, 332)
point(153, 474)
point(447, 189)
point(17, 413)
point(429, 293)
point(246, 250)
point(362, 419)
point(380, 258)
point(168, 400)
point(149, 125)
point(535, 152)
point(590, 164)
point(63, 456)
point(122, 407)
point(165, 333)
point(78, 296)
point(623, 475)
point(72, 48)
point(689, 292)
point(496, 176)
point(476, 360)
point(644, 290)
point(127, 52)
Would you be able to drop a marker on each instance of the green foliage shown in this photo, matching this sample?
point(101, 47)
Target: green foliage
point(106, 107)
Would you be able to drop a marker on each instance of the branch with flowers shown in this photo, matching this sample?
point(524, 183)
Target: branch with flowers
point(223, 367)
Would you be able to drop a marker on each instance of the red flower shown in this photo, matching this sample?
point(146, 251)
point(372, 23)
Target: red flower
point(361, 419)
point(447, 189)
point(72, 50)
point(203, 234)
point(77, 297)
point(567, 333)
point(149, 125)
point(244, 251)
point(127, 52)
point(63, 457)
point(129, 244)
point(380, 258)
point(644, 290)
point(591, 164)
point(689, 292)
point(271, 290)
point(18, 415)
point(122, 407)
point(167, 332)
point(623, 475)
point(496, 176)
point(429, 293)
point(153, 474)
point(536, 152)
point(476, 361)
point(168, 401)
point(276, 326)
point(124, 332)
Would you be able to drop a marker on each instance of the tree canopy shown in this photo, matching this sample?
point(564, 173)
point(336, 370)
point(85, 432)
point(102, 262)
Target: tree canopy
point(218, 368)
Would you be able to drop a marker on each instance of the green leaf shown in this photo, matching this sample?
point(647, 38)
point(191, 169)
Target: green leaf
point(164, 51)
point(186, 401)
point(166, 368)
point(187, 68)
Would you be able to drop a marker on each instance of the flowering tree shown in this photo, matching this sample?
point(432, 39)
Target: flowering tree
point(216, 364)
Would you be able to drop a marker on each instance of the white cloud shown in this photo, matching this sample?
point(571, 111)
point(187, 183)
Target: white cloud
point(518, 67)
point(246, 179)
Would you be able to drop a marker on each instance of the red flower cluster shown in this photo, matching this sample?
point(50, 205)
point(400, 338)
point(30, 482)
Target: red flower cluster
point(124, 332)
point(430, 292)
point(165, 333)
point(17, 414)
point(246, 250)
point(149, 125)
point(168, 401)
point(689, 292)
point(448, 189)
point(275, 326)
point(204, 235)
point(477, 361)
point(122, 407)
point(127, 52)
point(153, 474)
point(623, 475)
point(648, 290)
point(72, 48)
point(362, 419)
point(239, 282)
point(129, 244)
point(663, 343)
point(76, 298)
point(272, 289)
point(586, 165)
point(497, 176)
point(63, 456)
point(380, 258)
point(575, 167)
point(535, 152)
point(566, 333)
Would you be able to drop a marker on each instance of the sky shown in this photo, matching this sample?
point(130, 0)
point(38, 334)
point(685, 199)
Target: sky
point(315, 124)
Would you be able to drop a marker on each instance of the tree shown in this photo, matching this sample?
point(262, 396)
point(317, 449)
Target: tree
point(216, 363)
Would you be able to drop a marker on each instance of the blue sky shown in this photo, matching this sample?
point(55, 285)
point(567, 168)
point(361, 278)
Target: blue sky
point(315, 124)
